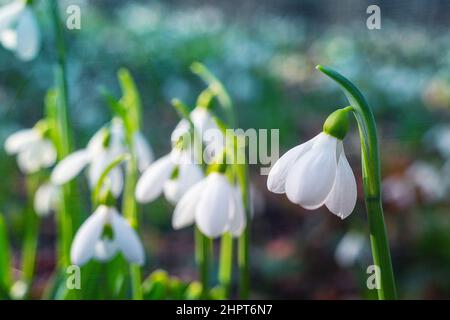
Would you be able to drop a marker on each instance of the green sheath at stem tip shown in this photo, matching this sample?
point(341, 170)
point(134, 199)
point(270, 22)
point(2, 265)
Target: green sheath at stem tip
point(371, 182)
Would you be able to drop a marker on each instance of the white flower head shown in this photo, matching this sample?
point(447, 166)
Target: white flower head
point(214, 205)
point(46, 199)
point(350, 248)
point(19, 31)
point(316, 173)
point(103, 148)
point(172, 175)
point(34, 151)
point(92, 242)
point(206, 129)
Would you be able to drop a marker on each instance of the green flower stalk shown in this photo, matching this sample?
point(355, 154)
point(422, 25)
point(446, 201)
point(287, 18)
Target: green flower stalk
point(67, 214)
point(371, 182)
point(237, 173)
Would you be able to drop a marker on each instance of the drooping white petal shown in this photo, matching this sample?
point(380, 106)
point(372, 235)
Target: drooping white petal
point(47, 154)
point(237, 218)
point(98, 165)
point(188, 175)
point(10, 13)
point(184, 214)
point(181, 129)
point(20, 140)
point(126, 239)
point(95, 144)
point(70, 167)
point(312, 176)
point(212, 212)
point(342, 198)
point(202, 120)
point(29, 158)
point(28, 36)
point(115, 179)
point(117, 144)
point(144, 151)
point(8, 38)
point(83, 245)
point(45, 199)
point(151, 183)
point(276, 180)
point(105, 249)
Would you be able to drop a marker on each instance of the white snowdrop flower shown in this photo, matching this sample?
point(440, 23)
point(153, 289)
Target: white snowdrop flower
point(46, 199)
point(428, 179)
point(172, 175)
point(214, 205)
point(34, 151)
point(317, 172)
point(206, 128)
point(350, 249)
point(19, 31)
point(438, 138)
point(93, 241)
point(103, 148)
point(399, 190)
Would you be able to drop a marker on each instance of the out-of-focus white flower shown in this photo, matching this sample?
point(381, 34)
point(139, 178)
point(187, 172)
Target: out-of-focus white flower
point(34, 151)
point(399, 191)
point(214, 205)
point(428, 180)
point(92, 240)
point(439, 138)
point(46, 199)
point(349, 249)
point(19, 31)
point(103, 148)
point(206, 128)
point(316, 173)
point(173, 174)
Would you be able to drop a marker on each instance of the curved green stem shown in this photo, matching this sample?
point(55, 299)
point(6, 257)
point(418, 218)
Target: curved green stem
point(371, 182)
point(98, 187)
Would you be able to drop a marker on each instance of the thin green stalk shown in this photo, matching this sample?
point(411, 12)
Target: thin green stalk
point(226, 263)
point(244, 239)
point(130, 212)
point(5, 261)
point(203, 257)
point(31, 236)
point(66, 212)
point(371, 182)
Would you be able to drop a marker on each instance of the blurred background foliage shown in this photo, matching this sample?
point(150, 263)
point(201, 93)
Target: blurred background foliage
point(265, 53)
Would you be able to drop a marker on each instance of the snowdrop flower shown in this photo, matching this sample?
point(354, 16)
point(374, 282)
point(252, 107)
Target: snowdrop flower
point(317, 172)
point(428, 179)
point(46, 199)
point(349, 249)
point(94, 239)
point(19, 31)
point(206, 128)
point(34, 151)
point(173, 174)
point(103, 148)
point(214, 205)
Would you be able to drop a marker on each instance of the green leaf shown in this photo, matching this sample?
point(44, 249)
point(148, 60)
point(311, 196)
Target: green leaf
point(194, 291)
point(130, 100)
point(5, 258)
point(156, 286)
point(215, 86)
